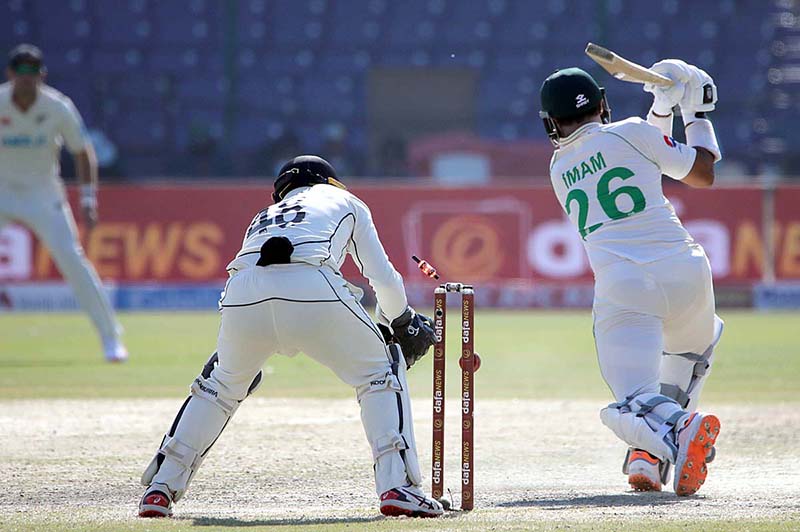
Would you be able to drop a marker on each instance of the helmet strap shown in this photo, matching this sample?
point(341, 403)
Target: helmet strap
point(605, 110)
point(550, 127)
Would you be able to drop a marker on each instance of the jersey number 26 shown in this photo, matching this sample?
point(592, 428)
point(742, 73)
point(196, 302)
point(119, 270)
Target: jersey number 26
point(607, 200)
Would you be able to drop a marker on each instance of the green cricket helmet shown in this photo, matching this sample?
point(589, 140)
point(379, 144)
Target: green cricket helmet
point(567, 94)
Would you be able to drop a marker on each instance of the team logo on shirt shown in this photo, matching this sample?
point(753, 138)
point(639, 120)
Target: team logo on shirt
point(5, 121)
point(670, 142)
point(41, 118)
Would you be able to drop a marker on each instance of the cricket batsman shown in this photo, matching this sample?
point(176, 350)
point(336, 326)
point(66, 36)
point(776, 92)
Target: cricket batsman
point(35, 122)
point(655, 325)
point(285, 294)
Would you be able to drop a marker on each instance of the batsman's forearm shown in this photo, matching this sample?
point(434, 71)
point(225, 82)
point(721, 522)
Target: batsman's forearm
point(86, 166)
point(702, 173)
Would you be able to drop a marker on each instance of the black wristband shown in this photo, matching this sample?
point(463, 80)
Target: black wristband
point(701, 114)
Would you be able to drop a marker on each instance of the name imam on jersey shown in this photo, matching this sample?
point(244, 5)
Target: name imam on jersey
point(592, 165)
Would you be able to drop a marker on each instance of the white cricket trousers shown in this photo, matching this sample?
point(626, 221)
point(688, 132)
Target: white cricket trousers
point(643, 311)
point(45, 211)
point(292, 308)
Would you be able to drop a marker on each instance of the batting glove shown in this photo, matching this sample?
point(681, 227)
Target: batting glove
point(665, 98)
point(700, 95)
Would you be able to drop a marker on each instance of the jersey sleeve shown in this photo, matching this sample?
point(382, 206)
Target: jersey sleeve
point(367, 251)
point(674, 158)
point(71, 127)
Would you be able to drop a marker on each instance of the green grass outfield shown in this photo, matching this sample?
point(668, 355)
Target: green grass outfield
point(526, 354)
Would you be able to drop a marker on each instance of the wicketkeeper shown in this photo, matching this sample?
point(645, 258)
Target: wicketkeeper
point(654, 320)
point(286, 295)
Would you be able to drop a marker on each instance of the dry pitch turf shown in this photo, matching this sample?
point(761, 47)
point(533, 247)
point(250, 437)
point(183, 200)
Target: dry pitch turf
point(294, 461)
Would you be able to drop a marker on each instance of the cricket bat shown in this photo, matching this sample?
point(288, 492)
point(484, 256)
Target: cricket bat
point(621, 68)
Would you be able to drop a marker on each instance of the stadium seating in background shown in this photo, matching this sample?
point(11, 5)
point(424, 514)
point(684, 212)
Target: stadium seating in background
point(164, 79)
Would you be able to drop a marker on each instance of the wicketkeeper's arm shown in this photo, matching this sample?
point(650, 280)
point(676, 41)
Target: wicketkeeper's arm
point(371, 259)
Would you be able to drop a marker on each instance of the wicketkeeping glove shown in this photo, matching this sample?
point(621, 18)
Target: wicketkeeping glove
point(414, 332)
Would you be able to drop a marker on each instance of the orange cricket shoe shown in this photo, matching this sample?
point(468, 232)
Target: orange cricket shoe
point(695, 449)
point(645, 471)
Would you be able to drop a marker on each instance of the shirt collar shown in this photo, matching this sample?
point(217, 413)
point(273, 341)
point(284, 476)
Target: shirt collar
point(581, 131)
point(295, 191)
point(27, 112)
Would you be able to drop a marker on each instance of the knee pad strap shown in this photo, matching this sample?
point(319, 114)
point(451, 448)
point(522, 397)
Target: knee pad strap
point(387, 444)
point(202, 389)
point(702, 364)
point(389, 382)
point(636, 421)
point(180, 452)
point(187, 458)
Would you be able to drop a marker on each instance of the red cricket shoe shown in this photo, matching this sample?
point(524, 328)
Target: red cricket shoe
point(155, 503)
point(409, 501)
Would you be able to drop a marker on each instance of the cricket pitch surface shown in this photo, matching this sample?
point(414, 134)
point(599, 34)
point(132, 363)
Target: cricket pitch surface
point(306, 461)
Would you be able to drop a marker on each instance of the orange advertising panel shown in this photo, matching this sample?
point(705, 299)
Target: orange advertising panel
point(786, 232)
point(504, 234)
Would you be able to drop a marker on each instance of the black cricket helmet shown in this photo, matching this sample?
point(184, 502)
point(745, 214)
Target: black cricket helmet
point(567, 94)
point(304, 171)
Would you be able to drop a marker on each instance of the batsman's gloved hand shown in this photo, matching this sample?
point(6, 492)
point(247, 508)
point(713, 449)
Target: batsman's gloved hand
point(700, 95)
point(665, 98)
point(414, 332)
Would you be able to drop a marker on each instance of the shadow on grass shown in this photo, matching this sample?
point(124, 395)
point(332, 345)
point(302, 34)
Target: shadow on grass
point(296, 521)
point(234, 522)
point(592, 501)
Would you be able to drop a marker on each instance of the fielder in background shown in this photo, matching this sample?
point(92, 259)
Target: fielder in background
point(655, 325)
point(286, 295)
point(35, 122)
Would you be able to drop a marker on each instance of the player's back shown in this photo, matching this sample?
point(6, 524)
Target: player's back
point(607, 178)
point(317, 220)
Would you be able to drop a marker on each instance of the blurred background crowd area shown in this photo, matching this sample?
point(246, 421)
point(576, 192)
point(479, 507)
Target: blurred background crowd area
point(383, 88)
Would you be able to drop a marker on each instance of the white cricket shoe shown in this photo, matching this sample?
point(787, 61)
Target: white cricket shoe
point(114, 350)
point(156, 502)
point(645, 471)
point(695, 449)
point(410, 501)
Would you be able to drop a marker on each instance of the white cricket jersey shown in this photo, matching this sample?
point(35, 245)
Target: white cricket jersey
point(324, 224)
point(30, 142)
point(607, 178)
